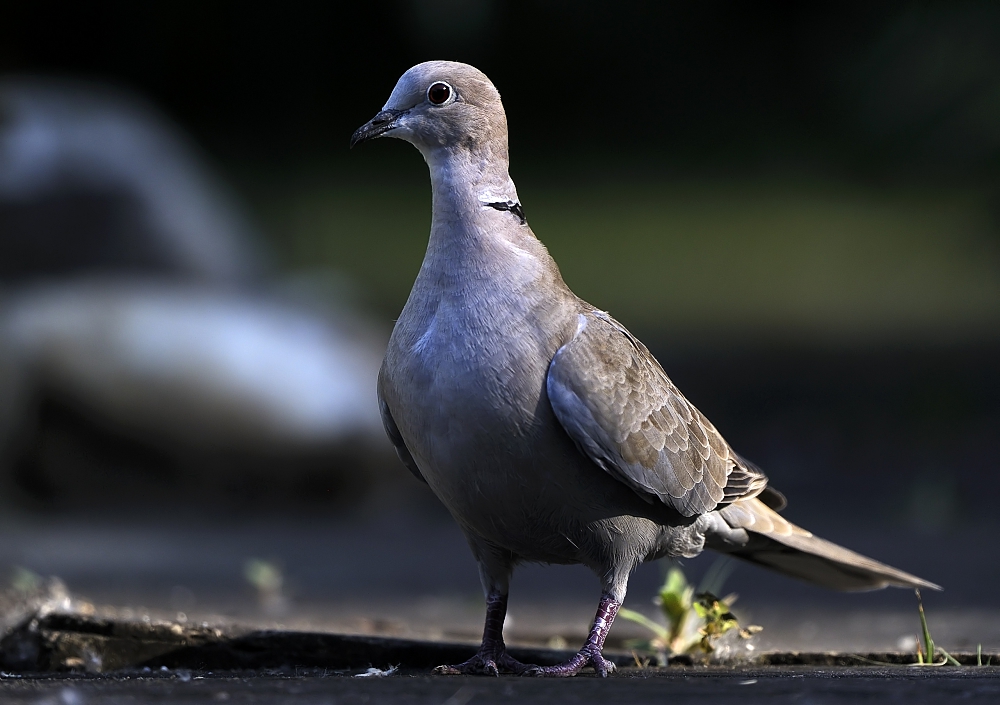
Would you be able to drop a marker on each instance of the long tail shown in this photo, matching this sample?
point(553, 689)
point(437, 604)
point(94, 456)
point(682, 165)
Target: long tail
point(751, 530)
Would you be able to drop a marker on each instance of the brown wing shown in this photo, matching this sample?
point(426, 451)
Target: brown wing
point(621, 409)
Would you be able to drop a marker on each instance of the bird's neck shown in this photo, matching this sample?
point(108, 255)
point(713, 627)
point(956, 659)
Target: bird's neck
point(465, 230)
point(474, 245)
point(463, 180)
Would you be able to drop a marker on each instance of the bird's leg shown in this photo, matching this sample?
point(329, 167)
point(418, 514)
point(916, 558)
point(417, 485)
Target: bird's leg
point(590, 654)
point(492, 658)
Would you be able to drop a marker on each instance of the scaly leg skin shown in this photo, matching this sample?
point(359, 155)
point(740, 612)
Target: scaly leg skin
point(590, 654)
point(492, 658)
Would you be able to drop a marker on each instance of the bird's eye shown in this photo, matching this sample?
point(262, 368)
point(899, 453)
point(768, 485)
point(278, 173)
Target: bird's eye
point(439, 93)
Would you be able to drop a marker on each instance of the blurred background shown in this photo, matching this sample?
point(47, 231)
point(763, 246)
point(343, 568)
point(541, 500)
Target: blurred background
point(796, 206)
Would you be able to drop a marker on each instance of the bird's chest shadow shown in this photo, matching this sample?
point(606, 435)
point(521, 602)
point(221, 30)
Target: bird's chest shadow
point(472, 363)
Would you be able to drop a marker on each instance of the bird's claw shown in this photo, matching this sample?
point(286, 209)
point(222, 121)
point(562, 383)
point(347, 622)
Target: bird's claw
point(589, 655)
point(487, 668)
point(486, 664)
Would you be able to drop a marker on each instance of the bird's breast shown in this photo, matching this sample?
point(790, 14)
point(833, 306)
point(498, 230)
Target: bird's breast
point(460, 355)
point(465, 377)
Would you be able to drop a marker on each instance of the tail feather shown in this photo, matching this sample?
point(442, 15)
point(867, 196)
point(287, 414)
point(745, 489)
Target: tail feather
point(756, 533)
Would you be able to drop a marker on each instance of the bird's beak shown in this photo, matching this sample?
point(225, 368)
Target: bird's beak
point(377, 126)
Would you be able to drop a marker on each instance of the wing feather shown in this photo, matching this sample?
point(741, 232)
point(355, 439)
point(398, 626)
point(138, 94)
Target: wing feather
point(621, 409)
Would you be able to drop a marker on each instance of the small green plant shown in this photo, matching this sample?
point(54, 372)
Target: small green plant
point(694, 620)
point(269, 582)
point(24, 580)
point(928, 651)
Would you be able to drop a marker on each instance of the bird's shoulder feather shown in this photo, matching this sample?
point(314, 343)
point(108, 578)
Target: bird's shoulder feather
point(623, 412)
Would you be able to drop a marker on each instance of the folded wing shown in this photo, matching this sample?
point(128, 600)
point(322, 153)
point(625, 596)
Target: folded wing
point(622, 411)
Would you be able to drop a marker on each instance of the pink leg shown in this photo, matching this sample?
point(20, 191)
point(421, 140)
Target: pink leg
point(590, 654)
point(492, 658)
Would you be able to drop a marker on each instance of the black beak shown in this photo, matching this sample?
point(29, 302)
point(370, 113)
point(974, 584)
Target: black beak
point(381, 123)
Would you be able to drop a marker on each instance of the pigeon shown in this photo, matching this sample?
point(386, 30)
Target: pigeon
point(550, 433)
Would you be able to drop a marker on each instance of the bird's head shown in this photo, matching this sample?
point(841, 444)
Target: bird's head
point(441, 106)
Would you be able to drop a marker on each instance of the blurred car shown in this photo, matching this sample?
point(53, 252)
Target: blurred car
point(142, 344)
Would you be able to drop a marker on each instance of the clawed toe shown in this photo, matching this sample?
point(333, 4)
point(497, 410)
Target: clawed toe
point(587, 656)
point(510, 664)
point(603, 667)
point(476, 666)
point(485, 665)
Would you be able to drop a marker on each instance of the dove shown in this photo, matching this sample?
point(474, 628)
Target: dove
point(550, 432)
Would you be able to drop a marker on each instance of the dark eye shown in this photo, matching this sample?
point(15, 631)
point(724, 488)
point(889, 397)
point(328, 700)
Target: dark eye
point(438, 93)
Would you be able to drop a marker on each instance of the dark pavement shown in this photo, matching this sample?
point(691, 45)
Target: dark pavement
point(682, 685)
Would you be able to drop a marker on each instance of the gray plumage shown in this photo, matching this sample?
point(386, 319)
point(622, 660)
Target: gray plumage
point(549, 432)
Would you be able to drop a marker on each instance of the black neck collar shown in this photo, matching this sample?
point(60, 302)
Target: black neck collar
point(511, 206)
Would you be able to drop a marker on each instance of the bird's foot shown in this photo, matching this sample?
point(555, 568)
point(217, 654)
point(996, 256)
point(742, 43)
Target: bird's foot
point(489, 663)
point(589, 655)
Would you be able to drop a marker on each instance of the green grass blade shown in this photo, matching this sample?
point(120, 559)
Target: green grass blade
point(928, 642)
point(948, 658)
point(641, 619)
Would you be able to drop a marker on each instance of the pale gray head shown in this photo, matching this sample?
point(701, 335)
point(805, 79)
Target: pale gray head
point(443, 107)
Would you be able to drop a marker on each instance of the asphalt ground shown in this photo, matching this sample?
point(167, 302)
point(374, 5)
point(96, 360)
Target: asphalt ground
point(673, 685)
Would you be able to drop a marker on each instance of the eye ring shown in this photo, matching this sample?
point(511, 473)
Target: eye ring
point(439, 93)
